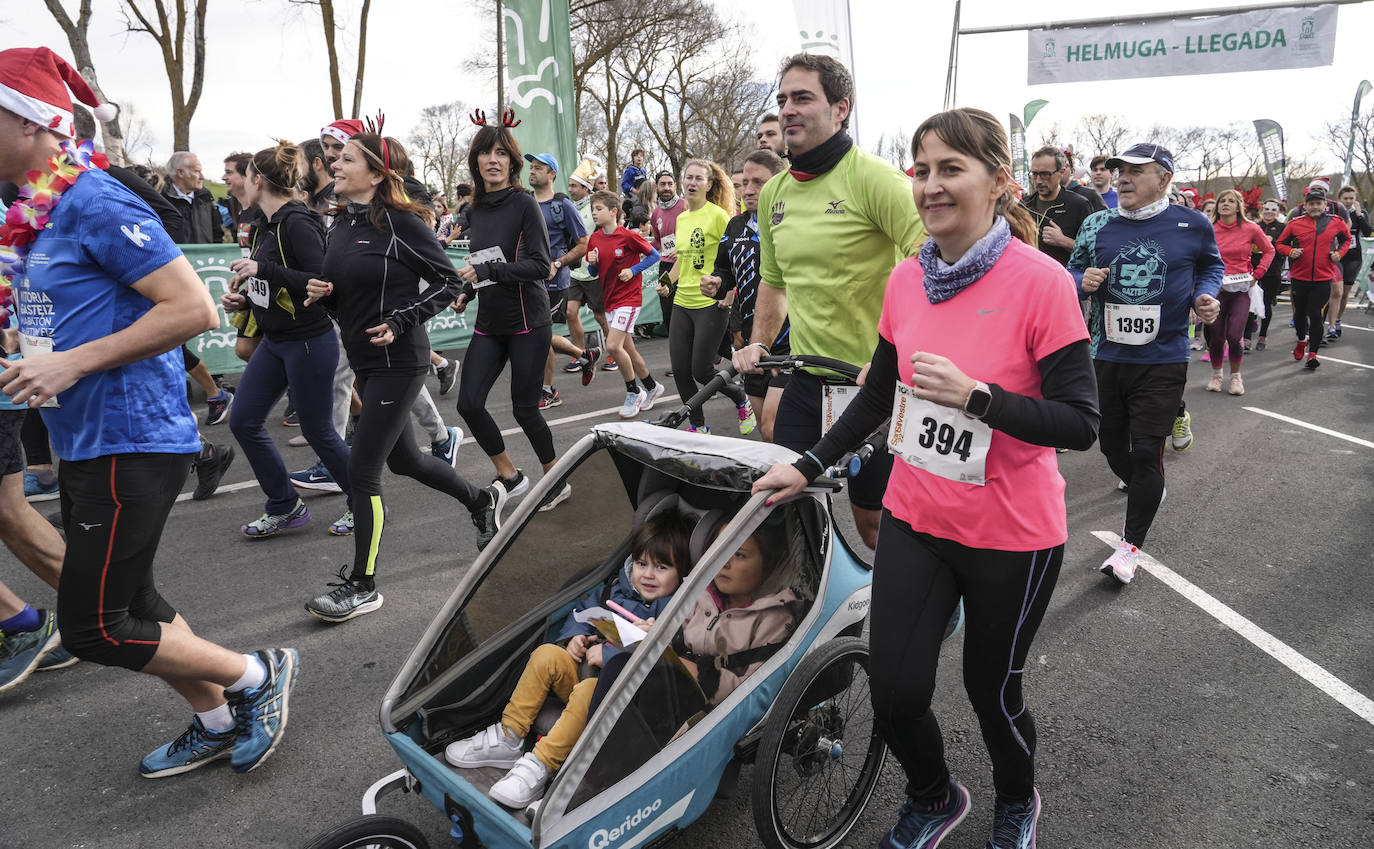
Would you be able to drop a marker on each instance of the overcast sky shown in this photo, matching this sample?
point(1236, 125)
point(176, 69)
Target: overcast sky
point(267, 76)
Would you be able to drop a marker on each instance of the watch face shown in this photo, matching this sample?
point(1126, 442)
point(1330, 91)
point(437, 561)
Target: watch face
point(979, 400)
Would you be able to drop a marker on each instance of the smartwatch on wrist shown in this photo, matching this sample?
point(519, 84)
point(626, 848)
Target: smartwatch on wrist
point(979, 401)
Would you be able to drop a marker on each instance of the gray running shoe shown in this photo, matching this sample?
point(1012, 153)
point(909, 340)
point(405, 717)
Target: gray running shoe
point(271, 524)
point(343, 526)
point(346, 601)
point(486, 517)
point(448, 375)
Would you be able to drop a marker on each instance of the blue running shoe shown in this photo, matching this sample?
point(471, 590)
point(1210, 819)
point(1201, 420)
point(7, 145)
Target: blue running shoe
point(59, 659)
point(1013, 825)
point(196, 747)
point(317, 477)
point(919, 827)
point(448, 449)
point(21, 652)
point(35, 491)
point(261, 714)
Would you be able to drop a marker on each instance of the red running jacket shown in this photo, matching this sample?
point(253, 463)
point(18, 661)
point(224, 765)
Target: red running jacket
point(1317, 237)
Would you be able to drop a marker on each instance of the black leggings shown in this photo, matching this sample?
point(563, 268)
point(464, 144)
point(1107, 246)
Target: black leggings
point(486, 358)
point(1139, 461)
point(113, 512)
point(1309, 306)
point(693, 346)
point(918, 580)
point(37, 449)
point(1271, 286)
point(383, 435)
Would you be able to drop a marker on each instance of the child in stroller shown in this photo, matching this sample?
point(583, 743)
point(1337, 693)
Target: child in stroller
point(659, 559)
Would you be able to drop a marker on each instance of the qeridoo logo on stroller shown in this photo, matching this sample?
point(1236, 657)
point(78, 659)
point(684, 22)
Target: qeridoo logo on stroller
point(601, 838)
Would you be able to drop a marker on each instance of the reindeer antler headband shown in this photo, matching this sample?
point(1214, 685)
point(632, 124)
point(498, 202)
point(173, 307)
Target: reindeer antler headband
point(508, 118)
point(375, 127)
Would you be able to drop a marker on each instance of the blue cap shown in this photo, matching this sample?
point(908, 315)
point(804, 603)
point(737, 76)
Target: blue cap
point(1139, 154)
point(545, 158)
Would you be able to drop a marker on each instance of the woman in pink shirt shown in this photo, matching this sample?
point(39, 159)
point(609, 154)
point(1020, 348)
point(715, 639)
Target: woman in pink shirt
point(983, 364)
point(1238, 240)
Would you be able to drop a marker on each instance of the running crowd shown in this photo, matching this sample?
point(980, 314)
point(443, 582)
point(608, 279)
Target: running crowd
point(999, 325)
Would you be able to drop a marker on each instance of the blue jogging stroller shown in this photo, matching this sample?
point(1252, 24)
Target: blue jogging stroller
point(652, 757)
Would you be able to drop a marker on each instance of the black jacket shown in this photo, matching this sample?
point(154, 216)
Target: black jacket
point(1275, 272)
point(289, 249)
point(517, 301)
point(737, 266)
point(201, 216)
point(1069, 210)
point(376, 276)
point(1088, 193)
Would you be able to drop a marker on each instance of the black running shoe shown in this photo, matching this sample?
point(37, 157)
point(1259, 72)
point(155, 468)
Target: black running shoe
point(487, 517)
point(210, 470)
point(448, 375)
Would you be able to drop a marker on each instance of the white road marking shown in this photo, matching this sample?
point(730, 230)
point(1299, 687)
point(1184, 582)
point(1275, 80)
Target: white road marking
point(1315, 675)
point(228, 487)
point(1329, 359)
point(249, 484)
point(1366, 443)
point(511, 431)
point(1356, 327)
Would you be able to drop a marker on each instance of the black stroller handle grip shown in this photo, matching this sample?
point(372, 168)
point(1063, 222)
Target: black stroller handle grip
point(728, 373)
point(852, 463)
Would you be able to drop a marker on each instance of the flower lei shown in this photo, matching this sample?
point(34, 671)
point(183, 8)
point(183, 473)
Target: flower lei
point(29, 215)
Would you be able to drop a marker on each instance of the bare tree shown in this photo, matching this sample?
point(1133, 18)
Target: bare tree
point(329, 21)
point(1106, 134)
point(725, 105)
point(77, 37)
point(895, 148)
point(441, 140)
point(1336, 135)
point(169, 31)
point(138, 137)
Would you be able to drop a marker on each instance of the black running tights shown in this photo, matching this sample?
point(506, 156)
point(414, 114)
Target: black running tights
point(1309, 307)
point(693, 346)
point(383, 436)
point(486, 358)
point(918, 580)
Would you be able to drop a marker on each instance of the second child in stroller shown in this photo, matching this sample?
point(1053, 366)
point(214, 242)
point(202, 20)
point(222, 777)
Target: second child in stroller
point(660, 558)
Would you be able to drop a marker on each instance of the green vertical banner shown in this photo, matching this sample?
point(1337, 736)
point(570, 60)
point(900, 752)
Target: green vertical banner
point(1017, 138)
point(539, 82)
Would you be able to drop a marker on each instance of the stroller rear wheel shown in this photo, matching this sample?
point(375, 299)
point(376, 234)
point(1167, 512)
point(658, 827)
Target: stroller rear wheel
point(820, 754)
point(371, 831)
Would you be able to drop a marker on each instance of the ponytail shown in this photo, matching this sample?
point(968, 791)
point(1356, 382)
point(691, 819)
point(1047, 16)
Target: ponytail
point(1020, 221)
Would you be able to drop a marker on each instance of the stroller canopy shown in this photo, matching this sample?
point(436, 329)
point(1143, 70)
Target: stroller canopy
point(715, 462)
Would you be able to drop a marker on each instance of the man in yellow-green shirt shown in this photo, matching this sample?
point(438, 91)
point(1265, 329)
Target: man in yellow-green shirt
point(831, 229)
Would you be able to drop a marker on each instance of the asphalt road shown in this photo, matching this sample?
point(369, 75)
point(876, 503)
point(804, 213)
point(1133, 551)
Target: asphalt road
point(1159, 726)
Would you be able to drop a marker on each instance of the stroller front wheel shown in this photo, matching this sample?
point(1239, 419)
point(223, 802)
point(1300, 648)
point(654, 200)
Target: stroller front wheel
point(369, 831)
point(820, 754)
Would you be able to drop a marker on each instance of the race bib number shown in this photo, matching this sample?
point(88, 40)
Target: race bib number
point(37, 346)
point(1131, 324)
point(941, 440)
point(1236, 282)
point(491, 254)
point(669, 244)
point(255, 290)
point(833, 405)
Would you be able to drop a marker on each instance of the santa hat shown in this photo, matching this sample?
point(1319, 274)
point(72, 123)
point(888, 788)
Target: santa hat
point(34, 83)
point(343, 129)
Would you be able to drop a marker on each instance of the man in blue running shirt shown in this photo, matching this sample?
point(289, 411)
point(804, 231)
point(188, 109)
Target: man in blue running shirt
point(103, 300)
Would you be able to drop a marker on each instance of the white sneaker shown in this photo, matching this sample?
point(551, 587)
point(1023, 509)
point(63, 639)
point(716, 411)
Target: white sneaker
point(1121, 565)
point(522, 785)
point(634, 402)
point(492, 746)
point(563, 495)
point(654, 394)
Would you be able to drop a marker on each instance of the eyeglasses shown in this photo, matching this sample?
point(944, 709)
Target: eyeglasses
point(1043, 175)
